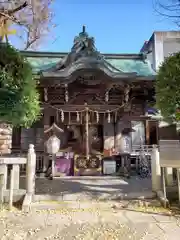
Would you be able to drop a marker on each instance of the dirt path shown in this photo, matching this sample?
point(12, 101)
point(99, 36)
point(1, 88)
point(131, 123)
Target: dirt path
point(88, 221)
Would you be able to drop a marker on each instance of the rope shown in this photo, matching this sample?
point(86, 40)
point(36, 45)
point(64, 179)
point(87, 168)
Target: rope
point(86, 108)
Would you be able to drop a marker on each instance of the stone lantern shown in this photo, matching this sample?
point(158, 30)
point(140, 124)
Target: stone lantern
point(53, 144)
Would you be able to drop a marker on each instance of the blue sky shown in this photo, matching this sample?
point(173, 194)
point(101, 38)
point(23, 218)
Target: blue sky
point(117, 27)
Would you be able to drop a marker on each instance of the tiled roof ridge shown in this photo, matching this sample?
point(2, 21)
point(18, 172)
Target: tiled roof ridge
point(47, 54)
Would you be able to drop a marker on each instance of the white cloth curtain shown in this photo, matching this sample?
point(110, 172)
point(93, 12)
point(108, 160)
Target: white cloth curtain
point(138, 135)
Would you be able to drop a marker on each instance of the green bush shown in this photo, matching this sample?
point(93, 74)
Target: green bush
point(168, 88)
point(19, 98)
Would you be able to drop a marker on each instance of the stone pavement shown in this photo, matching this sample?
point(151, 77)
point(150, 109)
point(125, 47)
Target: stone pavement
point(93, 188)
point(87, 221)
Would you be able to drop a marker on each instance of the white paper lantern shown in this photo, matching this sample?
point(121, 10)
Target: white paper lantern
point(53, 144)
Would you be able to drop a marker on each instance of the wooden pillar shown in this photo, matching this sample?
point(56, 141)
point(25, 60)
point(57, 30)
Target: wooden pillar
point(87, 132)
point(147, 132)
point(46, 122)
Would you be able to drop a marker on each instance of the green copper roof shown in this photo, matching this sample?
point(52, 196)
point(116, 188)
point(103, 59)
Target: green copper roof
point(42, 63)
point(141, 67)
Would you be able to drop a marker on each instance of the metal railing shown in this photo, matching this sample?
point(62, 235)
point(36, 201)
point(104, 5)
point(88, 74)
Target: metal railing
point(147, 149)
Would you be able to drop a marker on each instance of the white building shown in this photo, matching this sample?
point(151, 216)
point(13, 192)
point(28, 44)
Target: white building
point(161, 45)
point(157, 48)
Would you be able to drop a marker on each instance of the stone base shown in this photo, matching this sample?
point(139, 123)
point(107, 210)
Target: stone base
point(18, 195)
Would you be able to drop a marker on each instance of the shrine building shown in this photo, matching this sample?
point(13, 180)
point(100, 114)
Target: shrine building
point(95, 98)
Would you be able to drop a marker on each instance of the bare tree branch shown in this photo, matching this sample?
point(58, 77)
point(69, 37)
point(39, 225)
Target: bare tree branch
point(33, 16)
point(170, 10)
point(22, 6)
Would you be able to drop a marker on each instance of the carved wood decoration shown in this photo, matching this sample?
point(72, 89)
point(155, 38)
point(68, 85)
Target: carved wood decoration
point(126, 93)
point(84, 166)
point(107, 96)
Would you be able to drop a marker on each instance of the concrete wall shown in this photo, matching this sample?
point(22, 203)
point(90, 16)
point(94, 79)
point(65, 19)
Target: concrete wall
point(161, 45)
point(171, 46)
point(167, 132)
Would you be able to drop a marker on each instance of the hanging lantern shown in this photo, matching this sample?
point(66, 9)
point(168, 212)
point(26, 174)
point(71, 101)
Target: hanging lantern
point(97, 117)
point(109, 117)
point(77, 117)
point(62, 116)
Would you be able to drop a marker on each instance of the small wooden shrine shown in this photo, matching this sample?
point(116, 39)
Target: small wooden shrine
point(95, 98)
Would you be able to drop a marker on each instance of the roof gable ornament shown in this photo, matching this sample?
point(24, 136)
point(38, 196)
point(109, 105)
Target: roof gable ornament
point(84, 45)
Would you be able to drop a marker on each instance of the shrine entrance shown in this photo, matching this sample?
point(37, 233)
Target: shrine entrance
point(76, 138)
point(93, 98)
point(82, 139)
point(88, 96)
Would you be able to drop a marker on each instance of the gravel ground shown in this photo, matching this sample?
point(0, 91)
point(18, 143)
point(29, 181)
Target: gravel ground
point(88, 221)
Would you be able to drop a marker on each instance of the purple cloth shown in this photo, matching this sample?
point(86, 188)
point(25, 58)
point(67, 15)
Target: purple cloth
point(63, 165)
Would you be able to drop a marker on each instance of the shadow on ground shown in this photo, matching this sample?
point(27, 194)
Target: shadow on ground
point(92, 187)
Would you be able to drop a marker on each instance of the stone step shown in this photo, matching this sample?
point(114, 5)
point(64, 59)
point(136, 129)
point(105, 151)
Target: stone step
point(55, 205)
point(71, 205)
point(100, 197)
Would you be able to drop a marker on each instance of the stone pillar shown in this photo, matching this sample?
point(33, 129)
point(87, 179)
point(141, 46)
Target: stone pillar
point(155, 169)
point(30, 170)
point(16, 174)
point(5, 138)
point(1, 189)
point(3, 171)
point(169, 176)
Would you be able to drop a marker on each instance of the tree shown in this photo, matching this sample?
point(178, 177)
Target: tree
point(170, 9)
point(168, 88)
point(33, 19)
point(19, 99)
